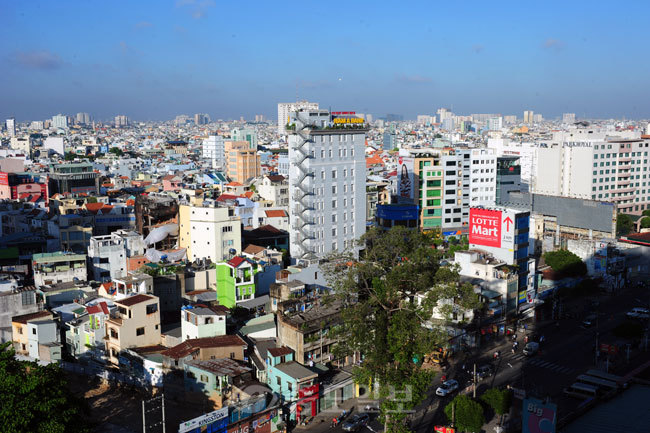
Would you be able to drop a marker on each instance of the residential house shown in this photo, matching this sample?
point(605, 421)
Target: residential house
point(85, 335)
point(267, 236)
point(201, 321)
point(43, 340)
point(206, 348)
point(260, 327)
point(58, 267)
point(135, 324)
point(235, 281)
point(274, 188)
point(20, 331)
point(295, 383)
point(221, 380)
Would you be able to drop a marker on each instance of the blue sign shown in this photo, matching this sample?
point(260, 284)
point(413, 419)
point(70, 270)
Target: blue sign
point(397, 212)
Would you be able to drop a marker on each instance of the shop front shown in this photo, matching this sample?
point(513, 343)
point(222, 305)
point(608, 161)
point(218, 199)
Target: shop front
point(307, 404)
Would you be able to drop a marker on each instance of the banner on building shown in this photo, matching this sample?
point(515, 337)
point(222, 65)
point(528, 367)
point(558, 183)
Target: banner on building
point(538, 417)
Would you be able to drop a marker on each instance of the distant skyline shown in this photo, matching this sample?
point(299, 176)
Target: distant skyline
point(153, 60)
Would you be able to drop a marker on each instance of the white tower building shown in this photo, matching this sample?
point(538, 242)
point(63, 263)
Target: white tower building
point(327, 186)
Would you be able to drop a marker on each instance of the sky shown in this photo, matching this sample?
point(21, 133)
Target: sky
point(153, 60)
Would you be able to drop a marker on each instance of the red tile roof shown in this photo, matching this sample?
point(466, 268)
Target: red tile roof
point(236, 261)
point(275, 213)
point(280, 351)
point(224, 197)
point(190, 346)
point(102, 307)
point(276, 178)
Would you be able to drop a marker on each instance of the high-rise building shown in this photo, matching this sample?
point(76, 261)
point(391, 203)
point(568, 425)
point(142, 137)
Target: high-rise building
point(36, 124)
point(11, 126)
point(419, 181)
point(508, 178)
point(538, 118)
point(528, 117)
point(214, 150)
point(245, 134)
point(285, 108)
point(388, 142)
point(259, 118)
point(495, 123)
point(121, 121)
point(83, 119)
point(569, 118)
point(327, 186)
point(509, 120)
point(60, 121)
point(242, 162)
point(181, 119)
point(201, 119)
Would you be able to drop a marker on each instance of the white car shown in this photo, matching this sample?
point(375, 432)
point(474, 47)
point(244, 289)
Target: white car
point(447, 388)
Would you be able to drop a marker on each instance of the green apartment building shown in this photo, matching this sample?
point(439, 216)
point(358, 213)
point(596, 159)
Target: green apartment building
point(235, 281)
point(429, 175)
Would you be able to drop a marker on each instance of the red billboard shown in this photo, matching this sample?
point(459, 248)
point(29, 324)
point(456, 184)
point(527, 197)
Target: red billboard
point(4, 178)
point(485, 227)
point(308, 391)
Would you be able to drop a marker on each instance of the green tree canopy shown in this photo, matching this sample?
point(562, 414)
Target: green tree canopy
point(116, 150)
point(624, 224)
point(36, 398)
point(468, 414)
point(498, 399)
point(388, 296)
point(646, 212)
point(565, 263)
point(645, 223)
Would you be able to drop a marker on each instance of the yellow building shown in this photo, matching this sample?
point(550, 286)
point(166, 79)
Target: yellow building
point(19, 334)
point(242, 162)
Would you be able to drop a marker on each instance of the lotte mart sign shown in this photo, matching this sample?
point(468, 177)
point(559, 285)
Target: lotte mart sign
point(491, 228)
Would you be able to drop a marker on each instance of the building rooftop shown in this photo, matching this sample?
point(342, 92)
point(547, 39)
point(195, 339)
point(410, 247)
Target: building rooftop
point(24, 318)
point(279, 351)
point(58, 256)
point(190, 346)
point(221, 366)
point(295, 370)
point(132, 300)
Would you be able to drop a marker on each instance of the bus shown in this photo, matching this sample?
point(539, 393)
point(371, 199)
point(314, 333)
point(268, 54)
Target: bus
point(580, 390)
point(603, 384)
point(602, 375)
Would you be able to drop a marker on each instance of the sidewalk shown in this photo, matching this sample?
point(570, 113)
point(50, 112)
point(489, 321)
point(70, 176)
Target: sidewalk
point(321, 422)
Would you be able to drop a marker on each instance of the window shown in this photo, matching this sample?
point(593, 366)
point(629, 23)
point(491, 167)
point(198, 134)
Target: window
point(334, 231)
point(226, 229)
point(204, 378)
point(289, 387)
point(279, 381)
point(20, 330)
point(232, 355)
point(333, 204)
point(139, 331)
point(333, 189)
point(152, 308)
point(333, 174)
point(333, 218)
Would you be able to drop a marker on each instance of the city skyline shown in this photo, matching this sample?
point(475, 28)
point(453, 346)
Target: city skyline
point(198, 56)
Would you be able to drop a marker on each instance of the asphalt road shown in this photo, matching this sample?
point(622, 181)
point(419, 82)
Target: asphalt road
point(568, 350)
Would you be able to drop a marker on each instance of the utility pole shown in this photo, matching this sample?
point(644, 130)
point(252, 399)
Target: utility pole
point(144, 422)
point(474, 381)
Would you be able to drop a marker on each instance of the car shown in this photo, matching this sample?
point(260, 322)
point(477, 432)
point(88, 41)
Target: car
point(531, 348)
point(638, 313)
point(589, 321)
point(447, 388)
point(356, 422)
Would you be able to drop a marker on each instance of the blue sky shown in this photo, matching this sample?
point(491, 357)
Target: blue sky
point(156, 59)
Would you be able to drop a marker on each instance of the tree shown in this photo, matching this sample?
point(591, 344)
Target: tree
point(36, 398)
point(645, 223)
point(116, 150)
point(646, 212)
point(69, 156)
point(387, 297)
point(565, 263)
point(468, 414)
point(498, 399)
point(624, 224)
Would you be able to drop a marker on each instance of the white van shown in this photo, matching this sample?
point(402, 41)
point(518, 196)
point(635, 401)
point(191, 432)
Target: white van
point(531, 348)
point(580, 390)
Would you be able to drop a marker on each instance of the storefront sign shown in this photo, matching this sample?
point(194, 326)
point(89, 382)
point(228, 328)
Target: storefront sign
point(485, 227)
point(308, 391)
point(205, 420)
point(347, 120)
point(441, 429)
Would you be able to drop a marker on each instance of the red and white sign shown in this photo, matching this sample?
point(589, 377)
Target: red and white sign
point(308, 391)
point(485, 227)
point(441, 429)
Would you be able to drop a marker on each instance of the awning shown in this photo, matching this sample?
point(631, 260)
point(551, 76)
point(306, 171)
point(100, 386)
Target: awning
point(490, 294)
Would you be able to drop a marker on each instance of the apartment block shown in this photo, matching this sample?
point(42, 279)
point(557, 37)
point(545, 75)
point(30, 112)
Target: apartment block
point(327, 186)
point(58, 267)
point(242, 162)
point(209, 231)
